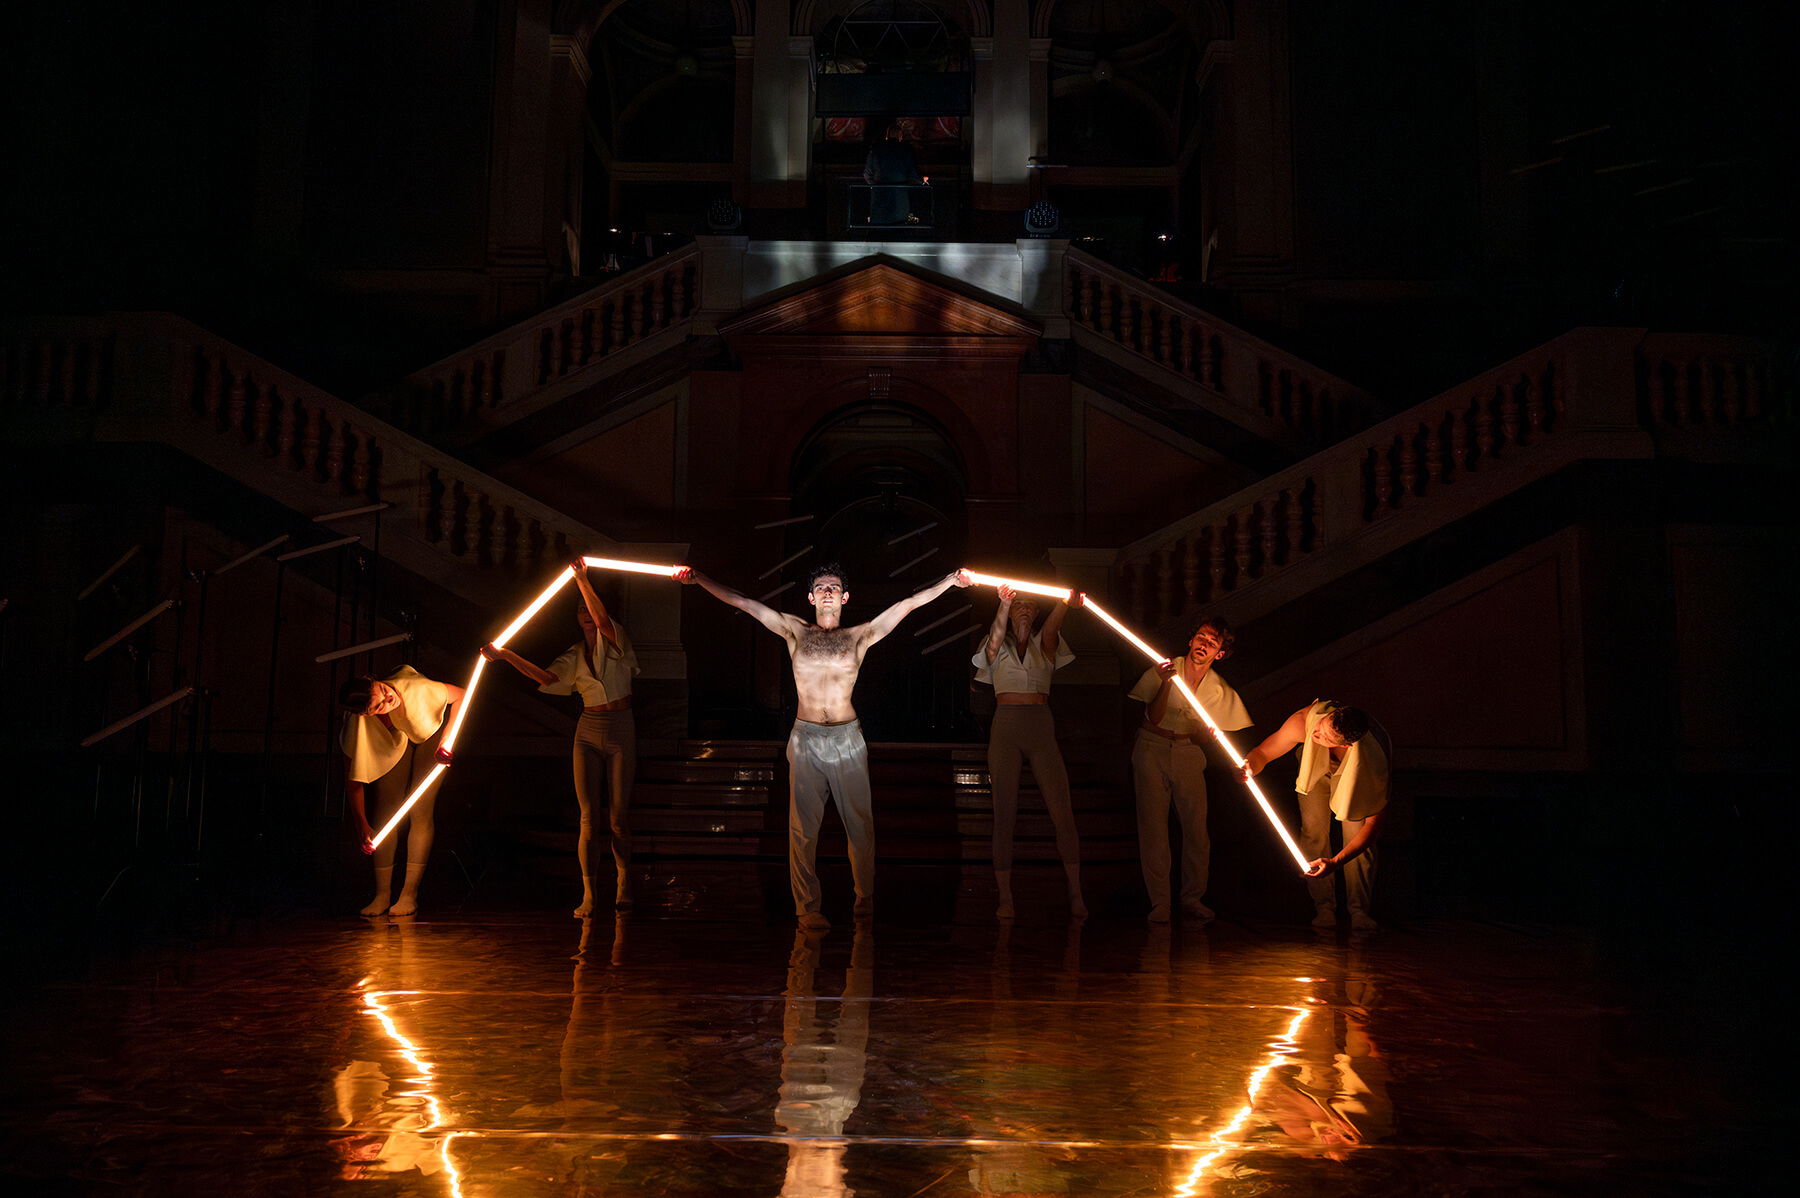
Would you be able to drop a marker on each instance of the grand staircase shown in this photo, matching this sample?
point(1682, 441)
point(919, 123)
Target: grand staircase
point(1372, 491)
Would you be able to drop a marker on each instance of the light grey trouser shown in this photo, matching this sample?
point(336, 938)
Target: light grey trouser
point(828, 758)
point(1026, 735)
point(1315, 842)
point(1171, 772)
point(387, 792)
point(605, 759)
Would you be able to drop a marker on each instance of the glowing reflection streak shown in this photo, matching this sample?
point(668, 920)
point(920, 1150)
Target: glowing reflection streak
point(448, 746)
point(1283, 1046)
point(373, 1005)
point(1063, 593)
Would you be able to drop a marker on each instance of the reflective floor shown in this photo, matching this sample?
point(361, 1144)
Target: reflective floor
point(657, 1055)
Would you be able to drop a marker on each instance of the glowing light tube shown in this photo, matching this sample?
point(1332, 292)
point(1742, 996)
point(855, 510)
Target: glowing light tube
point(613, 563)
point(414, 797)
point(447, 746)
point(1024, 588)
point(1237, 759)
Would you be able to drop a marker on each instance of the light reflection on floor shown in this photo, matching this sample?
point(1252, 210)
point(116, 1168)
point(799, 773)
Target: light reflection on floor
point(525, 1056)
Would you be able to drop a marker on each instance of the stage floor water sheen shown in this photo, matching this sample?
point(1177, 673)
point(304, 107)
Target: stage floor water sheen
point(521, 1055)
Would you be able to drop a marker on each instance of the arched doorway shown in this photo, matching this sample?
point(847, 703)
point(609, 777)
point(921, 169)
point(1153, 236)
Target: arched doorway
point(888, 486)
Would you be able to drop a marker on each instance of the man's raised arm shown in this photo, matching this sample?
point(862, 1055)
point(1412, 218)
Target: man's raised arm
point(890, 619)
point(777, 623)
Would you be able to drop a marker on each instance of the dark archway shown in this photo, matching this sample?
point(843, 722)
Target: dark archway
point(889, 486)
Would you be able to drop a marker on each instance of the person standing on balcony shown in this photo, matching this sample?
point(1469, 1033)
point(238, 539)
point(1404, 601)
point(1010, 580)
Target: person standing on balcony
point(1018, 662)
point(1168, 765)
point(890, 169)
point(391, 740)
point(599, 667)
point(1343, 773)
point(826, 751)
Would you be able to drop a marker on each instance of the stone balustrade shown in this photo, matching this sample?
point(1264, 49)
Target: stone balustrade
point(1264, 386)
point(1571, 397)
point(520, 368)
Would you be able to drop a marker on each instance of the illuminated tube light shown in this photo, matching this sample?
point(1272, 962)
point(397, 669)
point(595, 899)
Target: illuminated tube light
point(612, 563)
point(1024, 588)
point(447, 747)
point(1224, 741)
point(412, 798)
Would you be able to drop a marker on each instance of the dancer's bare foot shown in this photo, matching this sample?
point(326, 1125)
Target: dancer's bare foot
point(408, 904)
point(586, 909)
point(378, 907)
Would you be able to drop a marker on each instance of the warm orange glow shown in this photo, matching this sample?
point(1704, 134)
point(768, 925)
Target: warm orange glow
point(1221, 1141)
point(1237, 759)
point(414, 1056)
point(448, 744)
point(1026, 588)
point(613, 563)
point(536, 605)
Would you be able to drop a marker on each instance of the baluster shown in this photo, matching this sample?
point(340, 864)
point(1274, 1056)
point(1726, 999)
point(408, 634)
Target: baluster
point(284, 429)
point(1191, 574)
point(475, 533)
point(46, 367)
point(579, 349)
point(678, 292)
point(259, 416)
point(235, 405)
point(1434, 452)
point(1208, 361)
point(1756, 381)
point(1186, 362)
point(640, 312)
point(443, 517)
point(1509, 416)
point(1296, 525)
point(1535, 410)
point(1090, 304)
point(1409, 466)
point(1104, 325)
point(1710, 373)
point(333, 437)
point(1241, 541)
point(1127, 321)
point(423, 507)
point(361, 462)
point(1381, 479)
point(1731, 390)
point(618, 323)
point(1270, 532)
point(546, 354)
point(309, 419)
point(1484, 430)
point(1215, 560)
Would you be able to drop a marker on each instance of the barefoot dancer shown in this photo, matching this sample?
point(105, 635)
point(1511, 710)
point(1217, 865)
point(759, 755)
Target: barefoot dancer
point(599, 668)
point(826, 751)
point(391, 739)
point(1019, 663)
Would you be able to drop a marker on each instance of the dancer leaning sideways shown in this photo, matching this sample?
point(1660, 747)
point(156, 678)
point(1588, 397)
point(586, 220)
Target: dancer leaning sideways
point(390, 737)
point(1343, 773)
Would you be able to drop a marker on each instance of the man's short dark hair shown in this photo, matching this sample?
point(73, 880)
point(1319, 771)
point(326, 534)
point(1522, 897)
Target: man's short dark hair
point(1351, 723)
point(356, 693)
point(1222, 626)
point(822, 569)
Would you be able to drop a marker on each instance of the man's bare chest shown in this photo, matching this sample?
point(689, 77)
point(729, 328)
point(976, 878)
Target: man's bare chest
point(827, 648)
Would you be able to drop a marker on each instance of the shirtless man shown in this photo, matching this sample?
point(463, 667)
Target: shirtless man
point(1343, 773)
point(826, 750)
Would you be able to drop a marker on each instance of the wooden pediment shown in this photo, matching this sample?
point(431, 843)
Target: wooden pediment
point(880, 308)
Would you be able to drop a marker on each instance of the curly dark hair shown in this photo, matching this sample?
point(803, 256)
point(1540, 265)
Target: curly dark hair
point(822, 569)
point(1222, 626)
point(1352, 723)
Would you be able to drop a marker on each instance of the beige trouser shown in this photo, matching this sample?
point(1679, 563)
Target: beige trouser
point(828, 758)
point(1315, 842)
point(605, 759)
point(1026, 735)
point(390, 790)
point(1171, 772)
